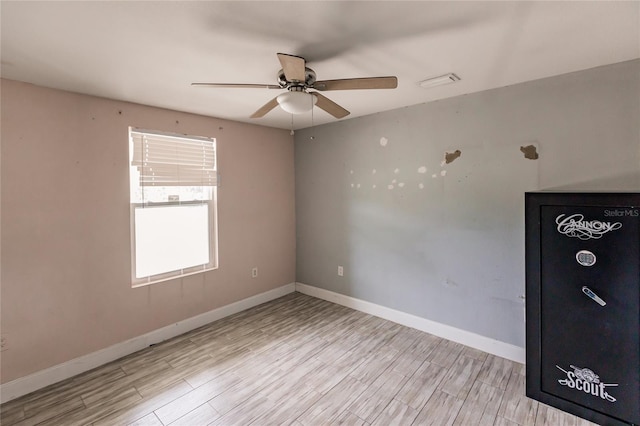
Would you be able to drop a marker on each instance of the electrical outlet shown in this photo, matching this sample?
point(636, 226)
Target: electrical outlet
point(254, 272)
point(340, 271)
point(3, 343)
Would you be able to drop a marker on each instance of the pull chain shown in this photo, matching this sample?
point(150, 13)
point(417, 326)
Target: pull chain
point(312, 108)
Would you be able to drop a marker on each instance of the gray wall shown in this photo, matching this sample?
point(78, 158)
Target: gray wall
point(447, 244)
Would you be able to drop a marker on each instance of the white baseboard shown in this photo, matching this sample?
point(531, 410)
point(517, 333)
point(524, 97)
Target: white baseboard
point(486, 344)
point(40, 379)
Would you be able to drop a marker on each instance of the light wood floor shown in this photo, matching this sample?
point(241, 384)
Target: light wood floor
point(299, 361)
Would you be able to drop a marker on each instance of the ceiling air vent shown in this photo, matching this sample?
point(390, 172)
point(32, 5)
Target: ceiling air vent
point(439, 81)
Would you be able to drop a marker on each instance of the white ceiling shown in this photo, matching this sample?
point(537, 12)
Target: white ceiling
point(149, 52)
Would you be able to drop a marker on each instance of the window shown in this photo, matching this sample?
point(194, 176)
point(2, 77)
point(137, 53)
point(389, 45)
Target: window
point(173, 205)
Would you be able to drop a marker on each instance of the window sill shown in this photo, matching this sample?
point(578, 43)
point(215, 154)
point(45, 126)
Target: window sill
point(174, 277)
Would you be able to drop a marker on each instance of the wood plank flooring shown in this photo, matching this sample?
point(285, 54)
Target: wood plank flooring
point(297, 361)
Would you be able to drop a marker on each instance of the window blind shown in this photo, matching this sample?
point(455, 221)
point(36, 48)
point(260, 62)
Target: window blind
point(167, 160)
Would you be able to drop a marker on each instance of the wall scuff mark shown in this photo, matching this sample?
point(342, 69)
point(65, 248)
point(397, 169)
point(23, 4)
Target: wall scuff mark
point(449, 283)
point(530, 152)
point(449, 157)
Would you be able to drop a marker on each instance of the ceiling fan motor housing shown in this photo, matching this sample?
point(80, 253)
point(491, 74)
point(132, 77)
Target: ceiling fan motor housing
point(309, 79)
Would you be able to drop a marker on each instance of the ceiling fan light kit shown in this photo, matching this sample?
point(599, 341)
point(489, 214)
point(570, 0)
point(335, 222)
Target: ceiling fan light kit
point(296, 78)
point(296, 102)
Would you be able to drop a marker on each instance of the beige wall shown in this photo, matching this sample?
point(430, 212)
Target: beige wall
point(65, 275)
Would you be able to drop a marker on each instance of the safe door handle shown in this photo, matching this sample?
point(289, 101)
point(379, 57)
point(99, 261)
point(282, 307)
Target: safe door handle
point(586, 290)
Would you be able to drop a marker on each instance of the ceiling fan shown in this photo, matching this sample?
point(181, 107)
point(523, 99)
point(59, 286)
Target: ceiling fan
point(298, 79)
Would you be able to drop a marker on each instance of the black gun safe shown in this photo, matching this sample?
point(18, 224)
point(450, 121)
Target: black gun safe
point(583, 304)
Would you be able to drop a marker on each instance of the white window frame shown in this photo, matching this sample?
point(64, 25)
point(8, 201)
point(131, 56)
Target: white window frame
point(138, 204)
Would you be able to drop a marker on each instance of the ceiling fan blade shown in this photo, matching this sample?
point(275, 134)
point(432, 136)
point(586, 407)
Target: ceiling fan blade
point(293, 67)
point(357, 83)
point(238, 86)
point(265, 108)
point(329, 106)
